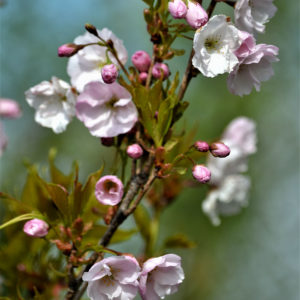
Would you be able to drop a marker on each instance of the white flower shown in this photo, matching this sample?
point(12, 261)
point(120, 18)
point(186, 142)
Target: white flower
point(54, 102)
point(251, 15)
point(85, 66)
point(214, 46)
point(230, 188)
point(106, 109)
point(228, 199)
point(113, 278)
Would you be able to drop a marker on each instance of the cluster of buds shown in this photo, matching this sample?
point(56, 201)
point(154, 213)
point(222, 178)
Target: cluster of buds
point(194, 13)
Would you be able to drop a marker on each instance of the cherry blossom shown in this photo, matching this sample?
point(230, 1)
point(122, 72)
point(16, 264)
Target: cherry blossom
point(160, 277)
point(9, 108)
point(86, 65)
point(251, 15)
point(109, 190)
point(106, 109)
point(113, 278)
point(54, 102)
point(36, 228)
point(214, 45)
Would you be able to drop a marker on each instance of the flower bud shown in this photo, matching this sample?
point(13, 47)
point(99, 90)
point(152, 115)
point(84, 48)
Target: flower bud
point(9, 108)
point(196, 16)
point(109, 73)
point(91, 29)
point(201, 173)
point(109, 190)
point(143, 77)
point(135, 151)
point(157, 68)
point(177, 9)
point(36, 228)
point(219, 149)
point(68, 50)
point(141, 60)
point(108, 142)
point(201, 146)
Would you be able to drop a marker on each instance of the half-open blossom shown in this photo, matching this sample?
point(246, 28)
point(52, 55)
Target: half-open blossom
point(109, 73)
point(196, 16)
point(54, 102)
point(215, 45)
point(3, 140)
point(201, 173)
point(141, 60)
point(230, 187)
point(134, 151)
point(160, 277)
point(109, 190)
point(114, 278)
point(9, 108)
point(253, 69)
point(177, 9)
point(106, 109)
point(85, 66)
point(228, 199)
point(251, 15)
point(158, 68)
point(36, 228)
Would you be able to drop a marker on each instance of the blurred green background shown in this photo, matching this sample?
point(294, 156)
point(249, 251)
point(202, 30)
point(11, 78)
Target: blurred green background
point(254, 255)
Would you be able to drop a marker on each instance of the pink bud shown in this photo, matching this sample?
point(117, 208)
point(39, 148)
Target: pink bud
point(108, 142)
point(36, 228)
point(68, 50)
point(9, 108)
point(157, 68)
point(143, 77)
point(109, 73)
point(135, 151)
point(109, 190)
point(219, 149)
point(201, 173)
point(201, 146)
point(141, 60)
point(196, 16)
point(177, 9)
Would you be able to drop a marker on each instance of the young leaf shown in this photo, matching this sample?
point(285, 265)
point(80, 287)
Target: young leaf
point(21, 218)
point(178, 241)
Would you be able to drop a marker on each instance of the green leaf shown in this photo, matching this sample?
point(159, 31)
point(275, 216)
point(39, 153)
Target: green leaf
point(178, 241)
point(171, 143)
point(180, 170)
point(56, 175)
point(143, 222)
point(21, 218)
point(179, 110)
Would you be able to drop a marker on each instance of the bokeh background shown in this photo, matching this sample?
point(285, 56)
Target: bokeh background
point(254, 255)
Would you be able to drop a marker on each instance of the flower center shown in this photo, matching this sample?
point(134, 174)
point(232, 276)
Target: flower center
point(108, 185)
point(212, 44)
point(110, 104)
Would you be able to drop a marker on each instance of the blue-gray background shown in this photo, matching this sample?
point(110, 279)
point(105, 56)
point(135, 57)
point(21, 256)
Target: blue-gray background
point(251, 256)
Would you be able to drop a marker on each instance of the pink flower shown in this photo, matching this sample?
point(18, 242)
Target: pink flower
point(106, 109)
point(85, 66)
point(161, 276)
point(9, 108)
point(158, 68)
point(254, 67)
point(196, 16)
point(143, 77)
point(68, 50)
point(109, 73)
point(134, 151)
point(3, 140)
point(113, 278)
point(177, 9)
point(201, 173)
point(141, 60)
point(219, 149)
point(36, 228)
point(109, 190)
